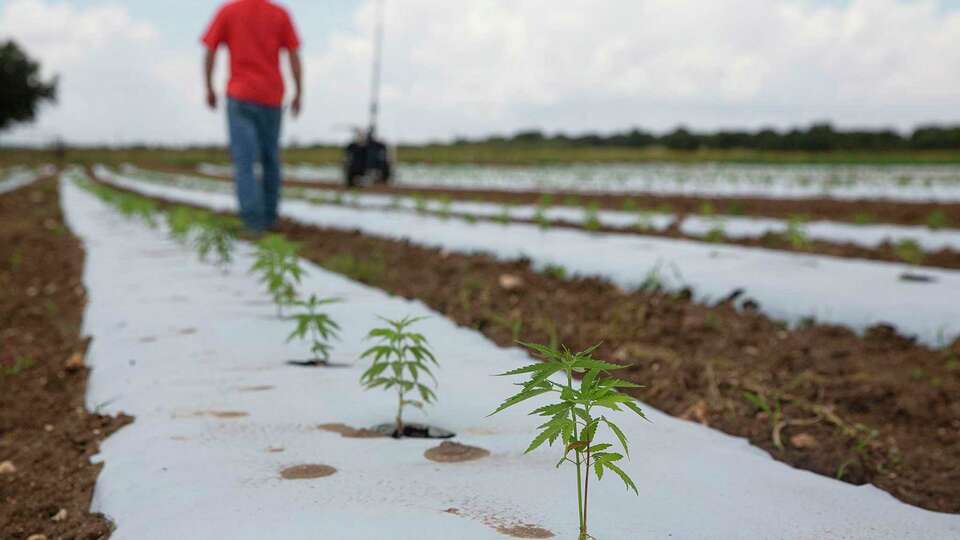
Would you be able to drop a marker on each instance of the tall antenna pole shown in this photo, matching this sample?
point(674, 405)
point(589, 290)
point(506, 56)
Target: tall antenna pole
point(377, 68)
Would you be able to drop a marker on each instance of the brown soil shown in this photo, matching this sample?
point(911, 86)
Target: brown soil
point(882, 409)
point(876, 409)
point(515, 530)
point(351, 432)
point(942, 258)
point(451, 452)
point(880, 211)
point(45, 432)
point(307, 472)
point(525, 531)
point(227, 415)
point(886, 251)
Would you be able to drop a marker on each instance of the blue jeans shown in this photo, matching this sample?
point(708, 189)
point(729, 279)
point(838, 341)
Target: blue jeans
point(255, 137)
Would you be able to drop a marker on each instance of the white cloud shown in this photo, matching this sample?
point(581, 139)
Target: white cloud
point(476, 66)
point(118, 81)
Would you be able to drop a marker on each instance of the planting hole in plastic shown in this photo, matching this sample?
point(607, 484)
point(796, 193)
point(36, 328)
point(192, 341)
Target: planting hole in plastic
point(414, 431)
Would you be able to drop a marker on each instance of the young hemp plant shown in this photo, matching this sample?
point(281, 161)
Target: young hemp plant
point(179, 222)
point(577, 414)
point(315, 327)
point(279, 267)
point(400, 359)
point(216, 236)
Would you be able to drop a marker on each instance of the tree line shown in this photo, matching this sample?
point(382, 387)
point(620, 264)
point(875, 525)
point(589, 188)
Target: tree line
point(822, 137)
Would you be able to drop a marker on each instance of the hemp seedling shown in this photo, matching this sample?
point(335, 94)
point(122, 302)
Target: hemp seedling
point(134, 206)
point(215, 235)
point(937, 220)
point(317, 328)
point(644, 221)
point(445, 209)
point(503, 217)
point(399, 360)
point(541, 219)
point(279, 268)
point(179, 222)
point(572, 418)
point(420, 203)
point(591, 217)
point(717, 233)
point(540, 214)
point(797, 233)
point(909, 251)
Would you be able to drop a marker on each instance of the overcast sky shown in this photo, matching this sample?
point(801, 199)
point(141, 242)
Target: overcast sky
point(130, 70)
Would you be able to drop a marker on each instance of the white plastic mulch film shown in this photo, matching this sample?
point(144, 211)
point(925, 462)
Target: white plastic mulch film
point(788, 286)
point(198, 357)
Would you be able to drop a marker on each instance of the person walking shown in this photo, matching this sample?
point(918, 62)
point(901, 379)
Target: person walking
point(255, 32)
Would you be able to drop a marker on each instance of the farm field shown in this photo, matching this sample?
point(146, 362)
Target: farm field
point(864, 210)
point(794, 355)
point(930, 183)
point(500, 155)
point(47, 437)
point(509, 321)
point(934, 244)
point(234, 442)
point(479, 270)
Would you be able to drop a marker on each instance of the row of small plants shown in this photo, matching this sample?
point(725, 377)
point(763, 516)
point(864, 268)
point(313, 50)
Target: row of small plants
point(577, 420)
point(794, 234)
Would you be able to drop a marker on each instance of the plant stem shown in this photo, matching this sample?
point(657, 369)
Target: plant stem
point(586, 495)
point(576, 437)
point(399, 430)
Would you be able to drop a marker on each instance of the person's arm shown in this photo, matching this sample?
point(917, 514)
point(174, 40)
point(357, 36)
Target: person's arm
point(296, 67)
point(209, 64)
point(215, 36)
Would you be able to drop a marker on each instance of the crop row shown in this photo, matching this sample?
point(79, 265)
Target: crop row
point(848, 183)
point(401, 360)
point(799, 233)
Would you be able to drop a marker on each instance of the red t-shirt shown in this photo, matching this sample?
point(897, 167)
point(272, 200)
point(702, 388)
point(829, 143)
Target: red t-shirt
point(254, 31)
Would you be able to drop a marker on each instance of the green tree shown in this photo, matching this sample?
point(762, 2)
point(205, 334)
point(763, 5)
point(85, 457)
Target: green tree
point(21, 88)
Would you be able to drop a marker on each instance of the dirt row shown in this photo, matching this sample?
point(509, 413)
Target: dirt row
point(887, 251)
point(877, 409)
point(849, 211)
point(47, 437)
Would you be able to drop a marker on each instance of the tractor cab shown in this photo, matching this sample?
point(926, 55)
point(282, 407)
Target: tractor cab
point(366, 161)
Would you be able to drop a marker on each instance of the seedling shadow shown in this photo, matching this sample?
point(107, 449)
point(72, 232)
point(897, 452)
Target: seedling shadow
point(911, 277)
point(317, 364)
point(413, 431)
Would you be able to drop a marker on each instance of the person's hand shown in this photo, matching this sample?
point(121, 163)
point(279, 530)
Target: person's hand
point(295, 105)
point(211, 99)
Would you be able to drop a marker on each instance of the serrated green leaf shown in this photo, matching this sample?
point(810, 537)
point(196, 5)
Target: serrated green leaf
point(552, 410)
point(518, 398)
point(532, 368)
point(542, 438)
point(623, 476)
point(632, 405)
point(619, 434)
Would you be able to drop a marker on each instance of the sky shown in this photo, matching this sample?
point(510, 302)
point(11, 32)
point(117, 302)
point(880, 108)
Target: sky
point(130, 71)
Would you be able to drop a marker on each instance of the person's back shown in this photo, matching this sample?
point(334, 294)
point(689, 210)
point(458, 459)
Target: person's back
point(254, 31)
